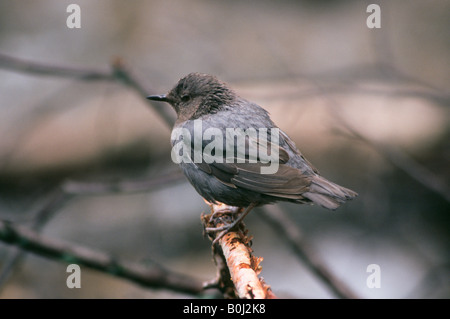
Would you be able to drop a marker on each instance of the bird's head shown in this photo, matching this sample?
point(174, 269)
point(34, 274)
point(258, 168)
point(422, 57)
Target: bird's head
point(197, 94)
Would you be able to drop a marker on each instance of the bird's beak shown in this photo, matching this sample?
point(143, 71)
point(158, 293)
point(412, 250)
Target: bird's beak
point(161, 98)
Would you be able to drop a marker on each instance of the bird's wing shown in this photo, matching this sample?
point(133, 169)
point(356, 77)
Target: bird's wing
point(291, 145)
point(240, 171)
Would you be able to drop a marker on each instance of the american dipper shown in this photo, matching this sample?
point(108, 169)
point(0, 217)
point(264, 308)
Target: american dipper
point(207, 108)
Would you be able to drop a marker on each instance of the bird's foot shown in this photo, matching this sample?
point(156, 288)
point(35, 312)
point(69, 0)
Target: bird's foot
point(222, 229)
point(226, 210)
point(230, 212)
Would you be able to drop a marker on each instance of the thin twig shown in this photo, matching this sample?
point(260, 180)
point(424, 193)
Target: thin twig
point(43, 211)
point(40, 215)
point(154, 277)
point(437, 97)
point(401, 160)
point(19, 65)
point(289, 232)
point(126, 76)
point(122, 186)
point(118, 72)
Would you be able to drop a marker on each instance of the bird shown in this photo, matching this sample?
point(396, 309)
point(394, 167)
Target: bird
point(204, 104)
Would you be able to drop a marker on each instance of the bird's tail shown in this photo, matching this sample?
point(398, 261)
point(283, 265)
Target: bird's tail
point(328, 194)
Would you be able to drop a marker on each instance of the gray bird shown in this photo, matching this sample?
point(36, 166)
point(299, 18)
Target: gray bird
point(238, 180)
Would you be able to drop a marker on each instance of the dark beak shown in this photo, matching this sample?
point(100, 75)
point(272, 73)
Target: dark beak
point(161, 98)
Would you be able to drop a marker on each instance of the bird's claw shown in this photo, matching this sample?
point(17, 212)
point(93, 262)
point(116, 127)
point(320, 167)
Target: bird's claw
point(222, 229)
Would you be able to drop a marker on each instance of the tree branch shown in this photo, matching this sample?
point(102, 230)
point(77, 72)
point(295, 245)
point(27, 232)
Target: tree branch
point(289, 232)
point(40, 215)
point(126, 76)
point(234, 259)
point(18, 65)
point(118, 72)
point(401, 160)
point(154, 277)
point(123, 186)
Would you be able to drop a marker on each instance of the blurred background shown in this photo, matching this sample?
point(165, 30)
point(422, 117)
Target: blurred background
point(368, 107)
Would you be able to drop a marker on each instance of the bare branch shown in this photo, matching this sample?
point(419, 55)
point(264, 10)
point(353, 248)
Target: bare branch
point(234, 258)
point(40, 215)
point(122, 186)
point(19, 65)
point(154, 277)
point(289, 232)
point(434, 96)
point(401, 160)
point(43, 211)
point(359, 80)
point(126, 76)
point(119, 72)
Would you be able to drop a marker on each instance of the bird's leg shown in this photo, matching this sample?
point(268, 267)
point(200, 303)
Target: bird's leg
point(227, 227)
point(218, 209)
point(225, 210)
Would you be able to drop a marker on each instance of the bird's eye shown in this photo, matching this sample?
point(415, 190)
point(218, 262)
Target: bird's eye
point(185, 97)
